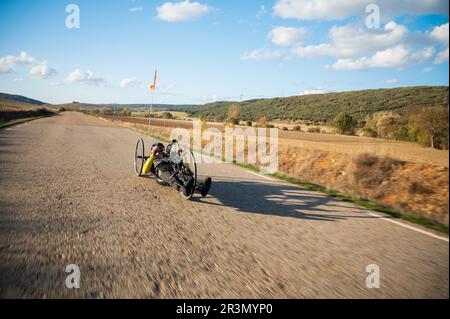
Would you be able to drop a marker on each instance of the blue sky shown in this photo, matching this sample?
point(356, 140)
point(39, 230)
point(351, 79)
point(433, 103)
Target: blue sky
point(208, 50)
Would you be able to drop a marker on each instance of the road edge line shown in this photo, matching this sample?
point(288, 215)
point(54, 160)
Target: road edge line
point(409, 227)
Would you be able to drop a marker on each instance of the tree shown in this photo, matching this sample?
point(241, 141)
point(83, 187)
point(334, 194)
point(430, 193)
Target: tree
point(233, 116)
point(430, 125)
point(262, 121)
point(105, 111)
point(167, 116)
point(231, 122)
point(234, 111)
point(384, 125)
point(344, 124)
point(126, 111)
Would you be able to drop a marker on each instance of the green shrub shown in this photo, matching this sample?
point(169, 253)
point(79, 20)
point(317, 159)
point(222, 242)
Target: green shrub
point(167, 115)
point(344, 124)
point(369, 132)
point(231, 121)
point(403, 134)
point(125, 111)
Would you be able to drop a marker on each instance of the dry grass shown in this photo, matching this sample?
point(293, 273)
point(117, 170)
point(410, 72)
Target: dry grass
point(13, 110)
point(372, 170)
point(14, 106)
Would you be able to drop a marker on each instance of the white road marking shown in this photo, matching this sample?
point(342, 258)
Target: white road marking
point(8, 129)
point(410, 227)
point(381, 217)
point(263, 176)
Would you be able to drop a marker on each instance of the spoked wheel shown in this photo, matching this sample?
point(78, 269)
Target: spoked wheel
point(190, 162)
point(188, 168)
point(139, 157)
point(191, 167)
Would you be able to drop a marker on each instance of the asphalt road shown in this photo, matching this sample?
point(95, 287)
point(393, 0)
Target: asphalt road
point(68, 195)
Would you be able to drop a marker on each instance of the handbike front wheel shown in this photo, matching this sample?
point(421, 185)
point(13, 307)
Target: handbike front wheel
point(191, 165)
point(139, 158)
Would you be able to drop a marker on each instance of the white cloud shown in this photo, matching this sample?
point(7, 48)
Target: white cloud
point(441, 57)
point(263, 54)
point(427, 70)
point(130, 83)
point(313, 91)
point(350, 40)
point(39, 69)
point(9, 62)
point(390, 81)
point(396, 57)
point(42, 70)
point(84, 77)
point(341, 9)
point(136, 9)
point(440, 34)
point(287, 36)
point(210, 99)
point(25, 58)
point(182, 11)
point(356, 47)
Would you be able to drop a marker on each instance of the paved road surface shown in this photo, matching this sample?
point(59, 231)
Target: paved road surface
point(68, 196)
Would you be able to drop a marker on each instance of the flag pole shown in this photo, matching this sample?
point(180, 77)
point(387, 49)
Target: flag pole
point(150, 113)
point(153, 89)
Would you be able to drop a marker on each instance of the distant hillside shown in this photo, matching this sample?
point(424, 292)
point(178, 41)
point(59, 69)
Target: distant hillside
point(155, 106)
point(20, 98)
point(86, 106)
point(15, 107)
point(324, 107)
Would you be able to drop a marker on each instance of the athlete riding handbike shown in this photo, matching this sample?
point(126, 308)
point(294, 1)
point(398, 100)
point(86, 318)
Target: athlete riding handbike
point(171, 166)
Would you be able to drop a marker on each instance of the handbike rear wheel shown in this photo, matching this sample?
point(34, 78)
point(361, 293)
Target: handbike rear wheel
point(139, 157)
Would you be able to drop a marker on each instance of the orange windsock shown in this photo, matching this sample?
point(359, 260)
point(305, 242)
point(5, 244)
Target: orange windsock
point(153, 86)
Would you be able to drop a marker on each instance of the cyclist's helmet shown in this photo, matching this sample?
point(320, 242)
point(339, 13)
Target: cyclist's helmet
point(159, 147)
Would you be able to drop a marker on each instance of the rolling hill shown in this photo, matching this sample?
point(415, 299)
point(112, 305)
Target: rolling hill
point(20, 98)
point(13, 107)
point(116, 106)
point(324, 107)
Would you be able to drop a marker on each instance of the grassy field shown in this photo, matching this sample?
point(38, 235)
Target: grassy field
point(177, 114)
